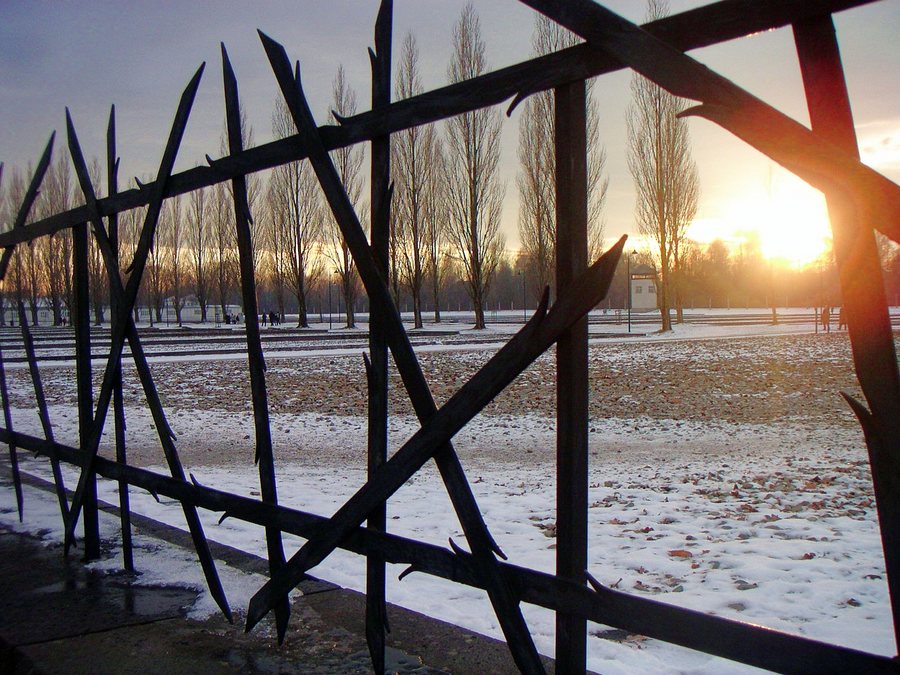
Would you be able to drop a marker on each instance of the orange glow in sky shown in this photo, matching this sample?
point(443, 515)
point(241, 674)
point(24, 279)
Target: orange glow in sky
point(786, 216)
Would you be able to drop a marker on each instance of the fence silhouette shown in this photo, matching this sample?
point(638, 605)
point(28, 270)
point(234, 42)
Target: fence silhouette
point(859, 199)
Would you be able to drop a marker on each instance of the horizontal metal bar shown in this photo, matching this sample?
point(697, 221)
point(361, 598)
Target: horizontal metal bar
point(747, 643)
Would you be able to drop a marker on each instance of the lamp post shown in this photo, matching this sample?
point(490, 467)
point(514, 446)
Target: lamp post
point(330, 281)
point(521, 273)
point(628, 282)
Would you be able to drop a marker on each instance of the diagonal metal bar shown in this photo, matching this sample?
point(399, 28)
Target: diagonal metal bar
point(84, 386)
point(482, 544)
point(112, 187)
point(744, 642)
point(123, 320)
point(43, 413)
point(256, 362)
point(13, 456)
point(125, 323)
point(377, 367)
point(30, 196)
point(704, 26)
point(862, 289)
point(816, 160)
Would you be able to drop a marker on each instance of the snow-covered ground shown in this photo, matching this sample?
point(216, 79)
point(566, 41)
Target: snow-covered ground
point(765, 518)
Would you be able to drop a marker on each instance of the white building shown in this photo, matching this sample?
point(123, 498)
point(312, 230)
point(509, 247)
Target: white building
point(643, 288)
point(190, 311)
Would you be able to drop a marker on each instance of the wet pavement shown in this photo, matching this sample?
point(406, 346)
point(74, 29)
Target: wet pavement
point(56, 616)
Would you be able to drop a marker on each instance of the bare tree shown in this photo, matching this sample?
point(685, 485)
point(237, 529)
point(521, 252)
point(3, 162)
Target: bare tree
point(175, 235)
point(414, 154)
point(297, 217)
point(348, 162)
point(537, 169)
point(98, 277)
point(130, 224)
point(475, 194)
point(199, 235)
point(665, 175)
point(223, 235)
point(434, 219)
point(19, 263)
point(224, 242)
point(156, 277)
point(56, 197)
point(25, 266)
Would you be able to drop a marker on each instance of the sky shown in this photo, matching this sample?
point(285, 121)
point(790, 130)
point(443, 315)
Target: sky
point(139, 56)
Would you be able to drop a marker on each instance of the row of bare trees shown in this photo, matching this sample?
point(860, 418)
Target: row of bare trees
point(445, 216)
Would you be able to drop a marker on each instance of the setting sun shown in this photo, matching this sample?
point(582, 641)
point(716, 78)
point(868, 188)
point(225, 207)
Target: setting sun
point(785, 216)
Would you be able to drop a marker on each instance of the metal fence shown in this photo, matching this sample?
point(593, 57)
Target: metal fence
point(859, 200)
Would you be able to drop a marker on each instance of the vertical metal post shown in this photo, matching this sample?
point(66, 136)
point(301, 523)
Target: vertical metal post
point(112, 169)
point(571, 368)
point(862, 288)
point(82, 321)
point(376, 614)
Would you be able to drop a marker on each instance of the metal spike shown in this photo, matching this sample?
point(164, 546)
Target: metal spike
point(340, 119)
point(456, 549)
point(224, 516)
point(596, 585)
point(694, 111)
point(866, 419)
point(517, 99)
point(405, 573)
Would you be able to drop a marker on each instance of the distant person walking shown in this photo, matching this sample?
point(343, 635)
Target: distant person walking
point(842, 322)
point(826, 318)
point(263, 318)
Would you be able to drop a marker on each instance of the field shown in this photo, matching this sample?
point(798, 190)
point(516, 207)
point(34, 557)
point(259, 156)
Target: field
point(726, 473)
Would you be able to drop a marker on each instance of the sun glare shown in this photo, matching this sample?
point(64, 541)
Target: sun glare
point(786, 217)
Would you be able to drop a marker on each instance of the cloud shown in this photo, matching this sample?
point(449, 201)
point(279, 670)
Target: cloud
point(879, 145)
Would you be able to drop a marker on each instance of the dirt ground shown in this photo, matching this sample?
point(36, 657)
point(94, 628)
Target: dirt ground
point(741, 380)
point(318, 404)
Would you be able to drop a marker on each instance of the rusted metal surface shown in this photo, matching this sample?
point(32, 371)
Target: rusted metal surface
point(264, 456)
point(860, 200)
point(377, 364)
point(112, 225)
point(570, 104)
point(862, 289)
